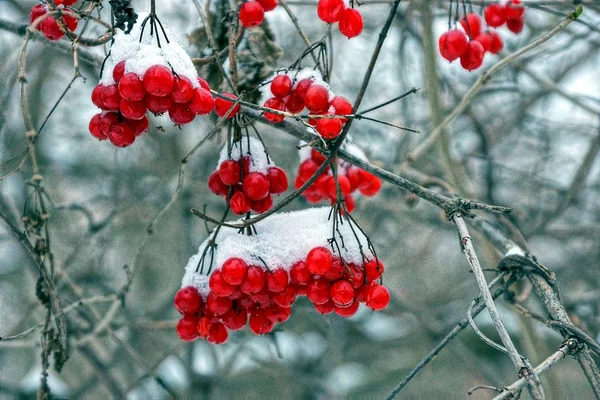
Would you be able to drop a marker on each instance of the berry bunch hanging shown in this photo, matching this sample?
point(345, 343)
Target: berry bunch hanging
point(350, 20)
point(49, 26)
point(252, 13)
point(140, 77)
point(258, 278)
point(247, 178)
point(294, 91)
point(470, 43)
point(350, 178)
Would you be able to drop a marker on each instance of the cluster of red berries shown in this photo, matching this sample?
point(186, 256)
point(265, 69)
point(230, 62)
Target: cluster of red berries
point(293, 96)
point(241, 294)
point(252, 13)
point(49, 26)
point(159, 90)
point(350, 21)
point(471, 43)
point(350, 179)
point(246, 190)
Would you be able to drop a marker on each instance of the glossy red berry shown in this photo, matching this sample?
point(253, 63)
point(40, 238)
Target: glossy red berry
point(281, 85)
point(218, 285)
point(329, 128)
point(121, 134)
point(319, 260)
point(351, 23)
point(181, 114)
point(299, 273)
point(70, 21)
point(132, 109)
point(278, 181)
point(473, 57)
point(230, 172)
point(263, 205)
point(234, 270)
point(159, 80)
point(111, 97)
point(514, 10)
point(260, 324)
point(202, 101)
point(118, 71)
point(515, 25)
point(336, 272)
point(286, 297)
point(342, 293)
point(203, 84)
point(186, 328)
point(131, 87)
point(342, 106)
point(94, 127)
point(107, 121)
point(325, 308)
point(276, 104)
point(37, 11)
point(369, 184)
point(254, 280)
point(277, 280)
point(495, 15)
point(251, 14)
point(471, 24)
point(356, 276)
point(374, 269)
point(183, 90)
point(348, 311)
point(187, 300)
point(203, 326)
point(222, 106)
point(97, 97)
point(217, 305)
point(317, 291)
point(316, 99)
point(256, 186)
point(158, 105)
point(216, 185)
point(217, 334)
point(497, 42)
point(50, 29)
point(268, 5)
point(486, 40)
point(378, 297)
point(139, 126)
point(330, 10)
point(239, 203)
point(235, 319)
point(453, 44)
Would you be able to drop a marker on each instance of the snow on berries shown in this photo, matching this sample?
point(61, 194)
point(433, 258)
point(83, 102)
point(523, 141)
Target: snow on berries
point(49, 26)
point(140, 76)
point(247, 178)
point(471, 41)
point(293, 91)
point(350, 20)
point(252, 13)
point(350, 177)
point(255, 280)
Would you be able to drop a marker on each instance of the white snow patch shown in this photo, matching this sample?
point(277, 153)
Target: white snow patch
point(260, 162)
point(348, 146)
point(515, 250)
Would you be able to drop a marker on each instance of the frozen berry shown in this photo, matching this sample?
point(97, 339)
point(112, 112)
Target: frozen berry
point(325, 308)
point(181, 114)
point(515, 25)
point(268, 5)
point(111, 97)
point(378, 297)
point(277, 280)
point(186, 328)
point(121, 134)
point(316, 99)
point(342, 293)
point(222, 106)
point(216, 185)
point(256, 186)
point(217, 333)
point(251, 14)
point(472, 25)
point(97, 97)
point(329, 128)
point(118, 71)
point(183, 90)
point(281, 85)
point(187, 300)
point(330, 10)
point(217, 305)
point(319, 260)
point(374, 269)
point(497, 42)
point(263, 205)
point(94, 127)
point(230, 172)
point(300, 274)
point(254, 280)
point(453, 44)
point(317, 291)
point(473, 57)
point(348, 311)
point(276, 104)
point(202, 101)
point(351, 23)
point(286, 297)
point(158, 105)
point(131, 87)
point(132, 109)
point(159, 80)
point(234, 270)
point(239, 203)
point(235, 318)
point(278, 182)
point(218, 285)
point(495, 15)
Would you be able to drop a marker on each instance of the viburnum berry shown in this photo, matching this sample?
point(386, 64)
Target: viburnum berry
point(183, 90)
point(281, 85)
point(472, 25)
point(132, 109)
point(286, 297)
point(277, 280)
point(202, 101)
point(330, 10)
point(336, 272)
point(325, 308)
point(70, 21)
point(159, 80)
point(378, 297)
point(216, 185)
point(230, 172)
point(317, 156)
point(203, 326)
point(453, 44)
point(186, 328)
point(37, 11)
point(94, 127)
point(317, 291)
point(131, 87)
point(234, 270)
point(50, 29)
point(486, 40)
point(342, 106)
point(118, 71)
point(268, 5)
point(278, 182)
point(369, 184)
point(342, 293)
point(111, 97)
point(158, 105)
point(351, 23)
point(348, 311)
point(495, 15)
point(65, 2)
point(356, 276)
point(316, 99)
point(203, 84)
point(222, 106)
point(235, 319)
point(139, 126)
point(239, 203)
point(121, 134)
point(254, 280)
point(374, 269)
point(344, 183)
point(107, 121)
point(354, 176)
point(329, 128)
point(515, 25)
point(263, 205)
point(276, 104)
point(260, 324)
point(218, 285)
point(300, 274)
point(217, 305)
point(514, 10)
point(294, 103)
point(497, 42)
point(187, 300)
point(256, 186)
point(181, 114)
point(217, 333)
point(251, 14)
point(319, 260)
point(473, 57)
point(97, 97)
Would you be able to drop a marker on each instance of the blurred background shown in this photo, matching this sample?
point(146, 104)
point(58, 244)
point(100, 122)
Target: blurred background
point(528, 140)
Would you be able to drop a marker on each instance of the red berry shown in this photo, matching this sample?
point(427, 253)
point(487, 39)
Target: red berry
point(217, 333)
point(50, 29)
point(203, 84)
point(254, 280)
point(111, 97)
point(181, 114)
point(497, 42)
point(374, 269)
point(251, 14)
point(369, 184)
point(286, 297)
point(486, 40)
point(217, 305)
point(317, 156)
point(348, 311)
point(342, 106)
point(188, 300)
point(132, 109)
point(131, 87)
point(107, 121)
point(472, 25)
point(158, 105)
point(218, 285)
point(356, 276)
point(329, 128)
point(515, 25)
point(203, 326)
point(97, 97)
point(230, 172)
point(351, 23)
point(234, 270)
point(121, 134)
point(277, 280)
point(281, 85)
point(70, 21)
point(65, 2)
point(259, 323)
point(345, 186)
point(139, 126)
point(336, 272)
point(350, 204)
point(495, 15)
point(342, 293)
point(319, 260)
point(268, 5)
point(514, 10)
point(452, 44)
point(276, 104)
point(278, 182)
point(216, 185)
point(354, 176)
point(235, 319)
point(256, 186)
point(325, 308)
point(261, 206)
point(300, 274)
point(186, 328)
point(294, 103)
point(37, 11)
point(202, 101)
point(159, 80)
point(473, 57)
point(94, 127)
point(239, 203)
point(119, 71)
point(275, 313)
point(378, 297)
point(183, 90)
point(330, 10)
point(316, 99)
point(222, 106)
point(317, 291)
